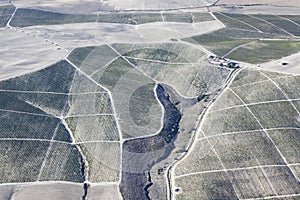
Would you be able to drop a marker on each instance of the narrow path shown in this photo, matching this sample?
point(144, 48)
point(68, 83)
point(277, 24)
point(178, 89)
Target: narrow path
point(57, 183)
point(54, 93)
point(217, 19)
point(27, 113)
point(89, 115)
point(287, 19)
point(230, 169)
point(250, 131)
point(34, 139)
point(266, 176)
point(275, 197)
point(48, 152)
point(259, 103)
point(12, 16)
point(97, 141)
point(236, 48)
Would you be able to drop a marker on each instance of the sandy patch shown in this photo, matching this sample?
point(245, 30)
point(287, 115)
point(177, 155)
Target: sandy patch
point(107, 192)
point(76, 35)
point(41, 191)
point(22, 53)
point(292, 64)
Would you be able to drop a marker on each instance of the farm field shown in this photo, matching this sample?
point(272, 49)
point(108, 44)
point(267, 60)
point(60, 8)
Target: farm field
point(30, 17)
point(151, 100)
point(234, 152)
point(251, 38)
point(5, 14)
point(39, 110)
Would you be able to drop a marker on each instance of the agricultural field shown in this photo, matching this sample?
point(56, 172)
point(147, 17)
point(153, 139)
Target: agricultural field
point(256, 158)
point(5, 14)
point(73, 105)
point(252, 38)
point(149, 100)
point(103, 160)
point(291, 26)
point(31, 17)
point(259, 51)
point(39, 110)
point(137, 68)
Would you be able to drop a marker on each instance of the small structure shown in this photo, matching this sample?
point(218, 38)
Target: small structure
point(233, 65)
point(223, 62)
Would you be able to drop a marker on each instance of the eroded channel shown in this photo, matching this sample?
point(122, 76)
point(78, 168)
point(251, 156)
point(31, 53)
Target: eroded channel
point(140, 155)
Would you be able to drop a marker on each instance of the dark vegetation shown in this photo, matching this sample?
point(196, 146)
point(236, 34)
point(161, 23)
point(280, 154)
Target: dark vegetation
point(63, 164)
point(78, 55)
point(5, 14)
point(242, 29)
point(129, 18)
point(55, 78)
point(113, 73)
point(139, 155)
point(282, 23)
point(263, 51)
point(12, 101)
point(62, 134)
point(92, 59)
point(14, 125)
point(30, 17)
point(257, 22)
point(140, 104)
point(178, 17)
point(294, 18)
point(20, 161)
point(231, 22)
